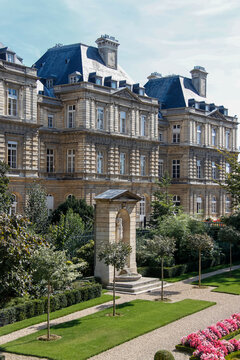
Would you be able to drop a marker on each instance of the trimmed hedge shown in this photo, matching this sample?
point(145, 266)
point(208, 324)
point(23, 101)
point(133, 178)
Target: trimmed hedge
point(168, 271)
point(58, 301)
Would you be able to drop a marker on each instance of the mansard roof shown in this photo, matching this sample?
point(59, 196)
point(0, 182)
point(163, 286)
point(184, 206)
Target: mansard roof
point(172, 91)
point(63, 60)
point(4, 50)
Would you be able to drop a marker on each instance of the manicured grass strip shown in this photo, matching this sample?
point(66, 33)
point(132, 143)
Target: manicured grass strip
point(195, 273)
point(225, 282)
point(54, 315)
point(96, 333)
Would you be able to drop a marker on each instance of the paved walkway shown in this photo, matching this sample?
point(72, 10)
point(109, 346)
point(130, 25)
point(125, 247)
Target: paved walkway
point(145, 346)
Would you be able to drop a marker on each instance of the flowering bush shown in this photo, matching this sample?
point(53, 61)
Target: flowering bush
point(207, 342)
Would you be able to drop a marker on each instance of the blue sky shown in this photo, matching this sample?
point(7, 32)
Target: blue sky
point(168, 36)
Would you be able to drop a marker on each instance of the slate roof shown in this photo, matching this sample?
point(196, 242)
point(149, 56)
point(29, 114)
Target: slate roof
point(113, 194)
point(3, 51)
point(173, 91)
point(61, 61)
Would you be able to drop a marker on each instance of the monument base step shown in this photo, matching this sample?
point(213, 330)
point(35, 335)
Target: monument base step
point(142, 285)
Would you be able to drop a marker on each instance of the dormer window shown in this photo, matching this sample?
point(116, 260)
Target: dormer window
point(141, 91)
point(49, 83)
point(10, 58)
point(138, 89)
point(113, 84)
point(73, 79)
point(98, 80)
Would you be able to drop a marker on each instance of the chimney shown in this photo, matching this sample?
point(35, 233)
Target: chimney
point(108, 49)
point(199, 80)
point(154, 75)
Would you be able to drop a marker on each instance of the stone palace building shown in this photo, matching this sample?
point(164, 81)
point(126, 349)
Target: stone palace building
point(78, 124)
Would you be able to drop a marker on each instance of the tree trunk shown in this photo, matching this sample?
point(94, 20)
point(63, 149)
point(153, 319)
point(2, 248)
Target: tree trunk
point(48, 312)
point(230, 254)
point(162, 279)
point(199, 268)
point(114, 301)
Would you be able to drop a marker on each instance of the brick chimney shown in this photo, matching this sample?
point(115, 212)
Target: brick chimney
point(199, 79)
point(108, 49)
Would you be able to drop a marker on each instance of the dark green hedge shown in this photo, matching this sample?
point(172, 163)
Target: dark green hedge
point(58, 301)
point(168, 271)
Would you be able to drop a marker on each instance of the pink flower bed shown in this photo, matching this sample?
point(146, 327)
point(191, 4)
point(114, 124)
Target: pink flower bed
point(207, 343)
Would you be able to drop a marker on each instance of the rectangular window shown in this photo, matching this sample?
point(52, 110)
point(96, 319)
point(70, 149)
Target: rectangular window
point(71, 116)
point(214, 205)
point(50, 121)
point(100, 162)
point(228, 168)
point(73, 79)
point(176, 134)
point(98, 81)
point(12, 154)
point(100, 118)
point(122, 163)
point(214, 170)
point(214, 134)
point(199, 205)
point(50, 160)
point(49, 83)
point(228, 205)
point(160, 169)
point(176, 169)
point(143, 125)
point(199, 170)
point(113, 84)
point(227, 139)
point(12, 102)
point(70, 160)
point(10, 58)
point(122, 122)
point(143, 165)
point(160, 136)
point(199, 134)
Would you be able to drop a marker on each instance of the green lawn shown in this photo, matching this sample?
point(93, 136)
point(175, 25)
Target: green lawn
point(96, 333)
point(195, 273)
point(225, 282)
point(54, 315)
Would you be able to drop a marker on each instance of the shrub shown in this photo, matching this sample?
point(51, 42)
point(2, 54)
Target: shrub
point(30, 309)
point(163, 355)
point(7, 316)
point(38, 307)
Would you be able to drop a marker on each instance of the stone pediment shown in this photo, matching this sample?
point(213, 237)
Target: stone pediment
point(126, 93)
point(216, 115)
point(117, 194)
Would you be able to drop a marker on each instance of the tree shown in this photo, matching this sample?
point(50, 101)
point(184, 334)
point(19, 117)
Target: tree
point(115, 254)
point(36, 208)
point(69, 233)
point(230, 235)
point(162, 247)
point(163, 204)
point(17, 245)
point(6, 198)
point(52, 269)
point(231, 182)
point(78, 206)
point(86, 253)
point(200, 243)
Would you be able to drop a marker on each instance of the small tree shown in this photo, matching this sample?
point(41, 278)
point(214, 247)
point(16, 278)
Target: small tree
point(115, 254)
point(163, 247)
point(200, 243)
point(6, 198)
point(52, 269)
point(36, 208)
point(230, 235)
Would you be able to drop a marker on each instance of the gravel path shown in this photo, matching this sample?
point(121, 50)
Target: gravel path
point(145, 346)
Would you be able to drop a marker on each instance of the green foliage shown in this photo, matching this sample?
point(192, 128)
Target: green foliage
point(37, 307)
point(68, 234)
point(163, 204)
point(78, 206)
point(231, 182)
point(229, 234)
point(200, 242)
point(6, 198)
point(233, 220)
point(36, 208)
point(17, 245)
point(162, 246)
point(86, 254)
point(115, 254)
point(163, 355)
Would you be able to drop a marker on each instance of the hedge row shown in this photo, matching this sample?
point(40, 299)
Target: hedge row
point(168, 271)
point(39, 306)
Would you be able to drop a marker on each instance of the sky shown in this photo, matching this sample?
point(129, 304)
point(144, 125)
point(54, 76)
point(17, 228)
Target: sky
point(167, 36)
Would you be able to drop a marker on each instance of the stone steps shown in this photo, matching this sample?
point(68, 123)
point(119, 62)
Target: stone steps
point(136, 287)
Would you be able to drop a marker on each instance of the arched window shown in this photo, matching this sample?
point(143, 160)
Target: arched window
point(199, 204)
point(50, 204)
point(70, 196)
point(176, 200)
point(214, 205)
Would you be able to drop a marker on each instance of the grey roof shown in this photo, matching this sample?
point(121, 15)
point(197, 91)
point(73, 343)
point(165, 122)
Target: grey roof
point(4, 50)
point(61, 61)
point(173, 91)
point(113, 194)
